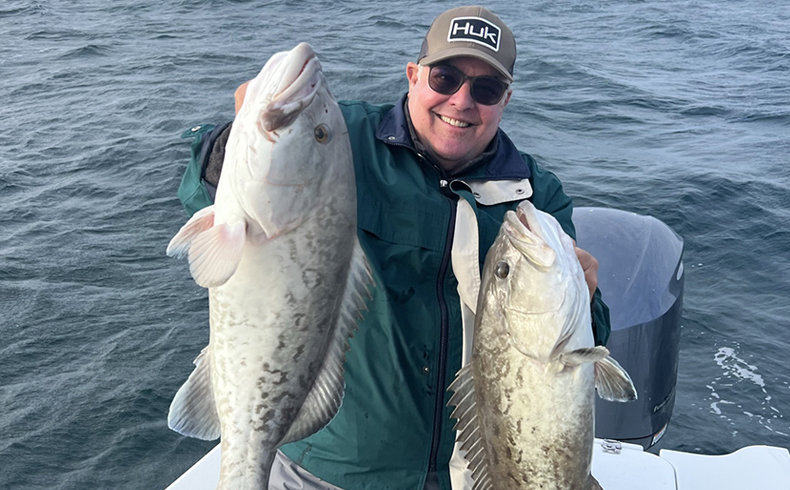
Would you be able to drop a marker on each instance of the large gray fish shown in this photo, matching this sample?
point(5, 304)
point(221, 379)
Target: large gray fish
point(525, 400)
point(286, 276)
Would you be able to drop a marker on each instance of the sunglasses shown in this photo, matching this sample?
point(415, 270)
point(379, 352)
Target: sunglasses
point(447, 80)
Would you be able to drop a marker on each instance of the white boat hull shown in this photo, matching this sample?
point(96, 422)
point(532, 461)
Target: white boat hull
point(623, 466)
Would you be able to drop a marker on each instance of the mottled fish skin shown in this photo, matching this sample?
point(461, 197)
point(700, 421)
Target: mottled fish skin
point(286, 276)
point(525, 400)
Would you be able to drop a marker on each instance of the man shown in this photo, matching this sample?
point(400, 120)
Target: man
point(435, 176)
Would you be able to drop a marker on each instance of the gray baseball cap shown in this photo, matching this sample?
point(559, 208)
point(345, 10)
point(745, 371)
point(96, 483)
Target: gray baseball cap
point(470, 31)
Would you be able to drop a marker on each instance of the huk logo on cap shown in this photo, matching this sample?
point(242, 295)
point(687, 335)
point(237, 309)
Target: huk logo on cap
point(476, 30)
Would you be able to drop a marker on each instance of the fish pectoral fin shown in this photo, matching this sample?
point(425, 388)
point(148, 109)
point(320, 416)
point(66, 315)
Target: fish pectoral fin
point(468, 425)
point(197, 224)
point(214, 250)
point(586, 354)
point(613, 382)
point(324, 399)
point(192, 411)
point(215, 253)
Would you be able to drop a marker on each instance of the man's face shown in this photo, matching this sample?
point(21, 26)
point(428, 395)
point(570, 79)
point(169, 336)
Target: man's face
point(454, 128)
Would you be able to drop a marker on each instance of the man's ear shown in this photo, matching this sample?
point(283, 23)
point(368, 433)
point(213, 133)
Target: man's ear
point(412, 73)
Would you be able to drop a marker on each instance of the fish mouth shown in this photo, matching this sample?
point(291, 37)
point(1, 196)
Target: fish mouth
point(297, 76)
point(525, 233)
point(522, 226)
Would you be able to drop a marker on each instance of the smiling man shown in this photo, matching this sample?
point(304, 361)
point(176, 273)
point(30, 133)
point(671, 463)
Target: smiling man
point(454, 127)
point(459, 89)
point(435, 175)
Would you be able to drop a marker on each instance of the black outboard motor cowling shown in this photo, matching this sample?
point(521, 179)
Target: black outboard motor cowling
point(640, 276)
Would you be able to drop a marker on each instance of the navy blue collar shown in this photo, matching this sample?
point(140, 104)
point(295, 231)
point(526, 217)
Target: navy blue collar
point(506, 163)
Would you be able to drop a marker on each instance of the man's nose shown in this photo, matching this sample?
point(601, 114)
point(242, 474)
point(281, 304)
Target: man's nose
point(463, 97)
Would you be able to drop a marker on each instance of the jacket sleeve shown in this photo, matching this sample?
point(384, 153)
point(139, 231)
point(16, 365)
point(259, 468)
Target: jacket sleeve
point(199, 183)
point(548, 196)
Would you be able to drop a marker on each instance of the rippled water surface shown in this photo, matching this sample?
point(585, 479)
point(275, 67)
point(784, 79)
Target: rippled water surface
point(677, 109)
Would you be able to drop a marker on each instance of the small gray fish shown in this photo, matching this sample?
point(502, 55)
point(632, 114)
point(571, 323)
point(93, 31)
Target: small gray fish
point(525, 400)
point(286, 275)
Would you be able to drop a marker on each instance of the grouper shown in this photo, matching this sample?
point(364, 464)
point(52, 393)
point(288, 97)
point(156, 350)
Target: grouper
point(286, 277)
point(524, 402)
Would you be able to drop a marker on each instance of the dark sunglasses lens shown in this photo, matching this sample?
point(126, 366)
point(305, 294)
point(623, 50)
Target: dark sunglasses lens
point(445, 80)
point(488, 90)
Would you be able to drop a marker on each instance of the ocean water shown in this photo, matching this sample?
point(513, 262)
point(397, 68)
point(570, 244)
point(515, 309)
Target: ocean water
point(676, 109)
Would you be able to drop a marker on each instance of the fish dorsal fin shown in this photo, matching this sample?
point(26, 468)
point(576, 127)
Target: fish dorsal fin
point(468, 426)
point(326, 395)
point(192, 411)
point(214, 250)
point(612, 381)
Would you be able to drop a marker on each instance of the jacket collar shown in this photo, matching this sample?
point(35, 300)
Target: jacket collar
point(505, 164)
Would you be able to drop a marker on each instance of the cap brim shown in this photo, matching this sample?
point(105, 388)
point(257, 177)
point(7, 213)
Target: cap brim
point(472, 53)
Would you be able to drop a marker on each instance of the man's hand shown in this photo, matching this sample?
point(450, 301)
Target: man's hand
point(238, 96)
point(590, 268)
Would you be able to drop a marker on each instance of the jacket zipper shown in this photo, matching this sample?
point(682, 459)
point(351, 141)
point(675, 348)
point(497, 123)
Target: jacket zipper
point(438, 418)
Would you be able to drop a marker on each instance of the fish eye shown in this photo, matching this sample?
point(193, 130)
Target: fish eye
point(502, 270)
point(321, 133)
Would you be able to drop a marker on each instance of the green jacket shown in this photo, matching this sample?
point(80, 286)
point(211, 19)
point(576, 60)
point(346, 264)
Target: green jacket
point(394, 425)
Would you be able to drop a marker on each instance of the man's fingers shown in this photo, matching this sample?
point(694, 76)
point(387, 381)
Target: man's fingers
point(590, 267)
point(238, 96)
